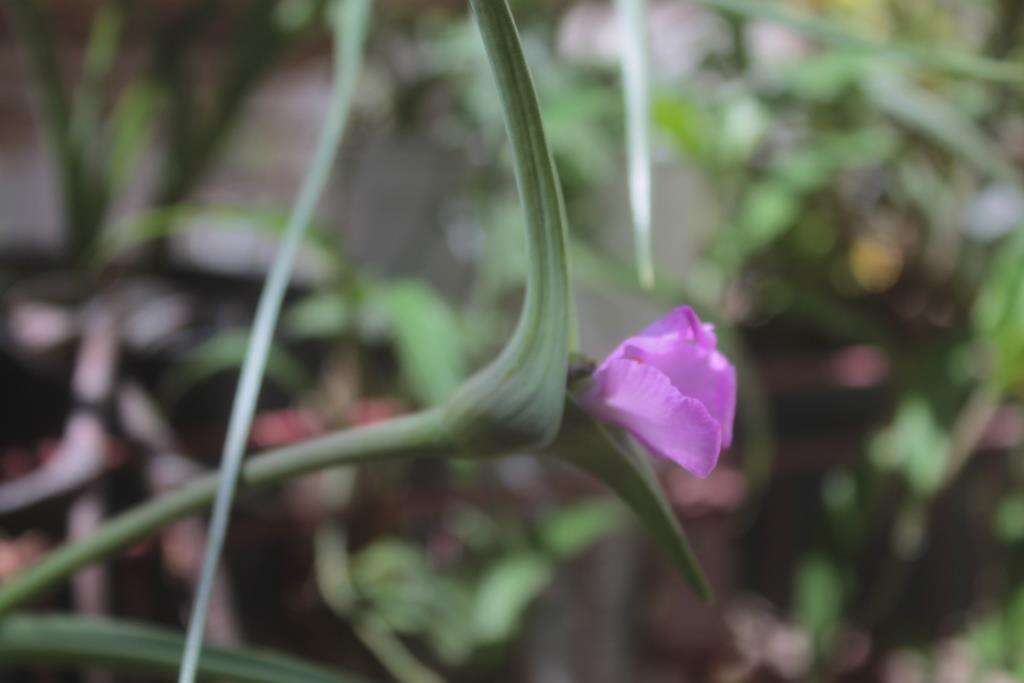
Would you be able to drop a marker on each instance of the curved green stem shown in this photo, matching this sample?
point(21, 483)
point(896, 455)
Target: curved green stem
point(404, 437)
point(518, 398)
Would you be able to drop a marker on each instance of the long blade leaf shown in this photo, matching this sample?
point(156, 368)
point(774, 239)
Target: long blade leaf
point(961, 63)
point(635, 83)
point(590, 446)
point(119, 646)
point(412, 435)
point(349, 22)
point(934, 117)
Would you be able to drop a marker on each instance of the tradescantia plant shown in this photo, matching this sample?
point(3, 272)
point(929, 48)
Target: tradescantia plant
point(516, 402)
point(779, 147)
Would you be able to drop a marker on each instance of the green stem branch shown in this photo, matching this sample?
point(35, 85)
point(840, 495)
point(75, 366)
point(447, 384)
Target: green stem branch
point(409, 436)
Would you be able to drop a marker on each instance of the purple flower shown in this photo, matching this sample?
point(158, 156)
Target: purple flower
point(672, 389)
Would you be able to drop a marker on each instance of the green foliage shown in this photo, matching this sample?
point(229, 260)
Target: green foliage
point(462, 610)
point(322, 315)
point(937, 118)
point(425, 332)
point(610, 456)
point(914, 446)
point(718, 134)
point(856, 142)
point(148, 226)
point(998, 639)
point(225, 351)
point(999, 314)
point(130, 132)
point(687, 123)
point(427, 338)
point(819, 599)
point(1009, 519)
point(767, 210)
point(574, 527)
point(505, 591)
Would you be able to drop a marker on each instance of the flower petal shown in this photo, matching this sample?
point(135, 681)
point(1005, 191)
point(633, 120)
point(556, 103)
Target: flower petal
point(685, 325)
point(641, 399)
point(705, 375)
point(684, 349)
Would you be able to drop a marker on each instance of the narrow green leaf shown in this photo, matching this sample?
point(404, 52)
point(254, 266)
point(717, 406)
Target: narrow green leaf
point(428, 340)
point(611, 458)
point(55, 642)
point(635, 81)
point(388, 587)
point(573, 528)
point(999, 314)
point(934, 117)
point(97, 64)
point(32, 27)
point(333, 577)
point(323, 315)
point(226, 351)
point(1008, 523)
point(129, 132)
point(832, 33)
point(819, 597)
point(915, 445)
point(505, 592)
point(146, 226)
point(349, 23)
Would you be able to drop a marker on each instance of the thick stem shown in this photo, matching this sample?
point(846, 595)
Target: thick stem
point(405, 437)
point(518, 399)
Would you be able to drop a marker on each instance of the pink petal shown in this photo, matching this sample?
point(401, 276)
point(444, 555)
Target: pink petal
point(641, 399)
point(705, 375)
point(684, 349)
point(679, 325)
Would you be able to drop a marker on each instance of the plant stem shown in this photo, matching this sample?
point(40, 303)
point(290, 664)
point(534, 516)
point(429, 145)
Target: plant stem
point(518, 399)
point(418, 434)
point(349, 30)
point(633, 19)
point(391, 652)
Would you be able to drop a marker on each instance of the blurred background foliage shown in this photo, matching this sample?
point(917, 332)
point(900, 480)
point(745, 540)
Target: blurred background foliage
point(837, 185)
